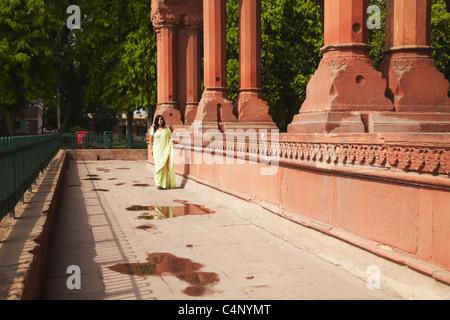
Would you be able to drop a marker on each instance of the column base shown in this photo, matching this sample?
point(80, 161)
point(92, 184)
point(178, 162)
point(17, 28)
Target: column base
point(414, 82)
point(170, 113)
point(346, 81)
point(213, 112)
point(265, 127)
point(372, 122)
point(327, 122)
point(190, 112)
point(410, 122)
point(250, 107)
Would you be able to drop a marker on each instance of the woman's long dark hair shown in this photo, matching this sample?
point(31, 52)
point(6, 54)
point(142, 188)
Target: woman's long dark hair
point(156, 125)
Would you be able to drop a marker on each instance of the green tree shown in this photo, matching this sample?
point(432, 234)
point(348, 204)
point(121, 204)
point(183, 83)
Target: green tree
point(377, 36)
point(27, 33)
point(440, 37)
point(117, 46)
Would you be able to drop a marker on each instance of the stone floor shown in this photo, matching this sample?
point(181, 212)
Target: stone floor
point(125, 239)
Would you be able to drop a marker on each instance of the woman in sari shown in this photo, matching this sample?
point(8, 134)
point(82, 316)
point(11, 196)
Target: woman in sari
point(161, 137)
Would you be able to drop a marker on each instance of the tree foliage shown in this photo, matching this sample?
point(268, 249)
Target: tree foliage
point(377, 36)
point(440, 36)
point(109, 63)
point(27, 31)
point(117, 45)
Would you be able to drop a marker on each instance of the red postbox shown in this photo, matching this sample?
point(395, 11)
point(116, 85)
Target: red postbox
point(81, 139)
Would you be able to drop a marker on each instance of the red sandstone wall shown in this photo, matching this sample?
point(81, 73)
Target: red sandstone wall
point(411, 219)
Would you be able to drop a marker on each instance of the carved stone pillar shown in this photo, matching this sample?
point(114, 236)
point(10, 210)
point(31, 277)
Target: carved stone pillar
point(345, 85)
point(193, 24)
point(414, 83)
point(214, 109)
point(165, 23)
point(250, 106)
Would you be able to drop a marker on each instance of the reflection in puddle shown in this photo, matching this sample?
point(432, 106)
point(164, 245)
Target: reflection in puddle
point(145, 227)
point(146, 216)
point(140, 208)
point(184, 269)
point(164, 212)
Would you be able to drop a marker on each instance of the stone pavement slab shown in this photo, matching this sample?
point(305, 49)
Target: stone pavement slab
point(133, 241)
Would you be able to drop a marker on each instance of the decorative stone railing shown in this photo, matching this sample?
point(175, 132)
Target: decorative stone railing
point(422, 156)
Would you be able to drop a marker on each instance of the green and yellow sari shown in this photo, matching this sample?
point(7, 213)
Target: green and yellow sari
point(163, 156)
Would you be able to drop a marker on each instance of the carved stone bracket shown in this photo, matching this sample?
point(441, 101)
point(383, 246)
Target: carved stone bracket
point(193, 20)
point(163, 17)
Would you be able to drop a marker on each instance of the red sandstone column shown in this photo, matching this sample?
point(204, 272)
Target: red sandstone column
point(345, 85)
point(165, 23)
point(193, 23)
point(250, 106)
point(214, 109)
point(181, 75)
point(414, 83)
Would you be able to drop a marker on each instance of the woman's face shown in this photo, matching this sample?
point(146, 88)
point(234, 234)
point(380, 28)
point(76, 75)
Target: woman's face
point(160, 121)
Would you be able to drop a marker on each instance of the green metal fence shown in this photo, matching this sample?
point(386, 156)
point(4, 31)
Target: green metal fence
point(22, 158)
point(107, 140)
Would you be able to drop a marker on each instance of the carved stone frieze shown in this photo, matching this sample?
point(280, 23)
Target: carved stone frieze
point(340, 63)
point(415, 158)
point(336, 64)
point(401, 64)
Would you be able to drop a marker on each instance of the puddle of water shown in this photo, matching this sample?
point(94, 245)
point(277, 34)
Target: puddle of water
point(194, 209)
point(103, 169)
point(164, 212)
point(184, 269)
point(145, 227)
point(100, 190)
point(122, 168)
point(140, 208)
point(120, 183)
point(146, 216)
point(141, 185)
point(92, 179)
